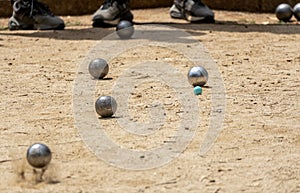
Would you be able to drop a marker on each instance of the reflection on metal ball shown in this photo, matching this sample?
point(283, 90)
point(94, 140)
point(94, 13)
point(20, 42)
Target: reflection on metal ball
point(125, 29)
point(106, 106)
point(297, 11)
point(98, 68)
point(198, 76)
point(39, 155)
point(284, 12)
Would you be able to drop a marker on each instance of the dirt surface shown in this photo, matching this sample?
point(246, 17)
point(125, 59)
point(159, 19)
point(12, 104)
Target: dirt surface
point(257, 151)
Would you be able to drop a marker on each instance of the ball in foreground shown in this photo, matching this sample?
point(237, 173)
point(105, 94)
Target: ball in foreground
point(98, 68)
point(125, 29)
point(39, 155)
point(297, 11)
point(284, 12)
point(197, 90)
point(198, 76)
point(106, 106)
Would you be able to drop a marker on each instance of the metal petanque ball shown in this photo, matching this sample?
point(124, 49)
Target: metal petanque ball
point(106, 106)
point(39, 155)
point(284, 12)
point(297, 11)
point(98, 68)
point(125, 29)
point(198, 76)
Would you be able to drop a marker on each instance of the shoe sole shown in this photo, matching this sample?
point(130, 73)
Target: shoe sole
point(15, 25)
point(105, 24)
point(175, 15)
point(208, 19)
point(193, 19)
point(46, 27)
point(38, 27)
point(112, 23)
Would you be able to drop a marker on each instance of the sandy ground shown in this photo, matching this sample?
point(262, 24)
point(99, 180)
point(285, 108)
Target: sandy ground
point(257, 151)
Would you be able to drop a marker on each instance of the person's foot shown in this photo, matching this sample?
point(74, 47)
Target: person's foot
point(33, 15)
point(111, 12)
point(192, 10)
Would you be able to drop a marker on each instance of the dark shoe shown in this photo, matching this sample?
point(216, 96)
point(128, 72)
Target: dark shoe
point(111, 12)
point(192, 10)
point(32, 15)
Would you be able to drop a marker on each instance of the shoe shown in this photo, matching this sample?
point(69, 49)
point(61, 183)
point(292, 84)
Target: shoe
point(33, 15)
point(192, 10)
point(111, 12)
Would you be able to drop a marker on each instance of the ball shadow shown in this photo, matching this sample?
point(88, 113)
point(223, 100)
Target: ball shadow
point(108, 118)
point(105, 79)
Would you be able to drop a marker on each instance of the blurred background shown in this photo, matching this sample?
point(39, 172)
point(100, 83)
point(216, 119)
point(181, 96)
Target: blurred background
point(82, 7)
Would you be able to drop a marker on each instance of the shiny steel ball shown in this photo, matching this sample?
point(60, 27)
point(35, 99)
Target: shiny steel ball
point(106, 106)
point(297, 11)
point(198, 76)
point(98, 68)
point(125, 29)
point(284, 12)
point(39, 155)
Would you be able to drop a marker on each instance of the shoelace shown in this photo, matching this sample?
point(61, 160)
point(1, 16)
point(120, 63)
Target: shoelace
point(19, 4)
point(109, 3)
point(187, 4)
point(31, 10)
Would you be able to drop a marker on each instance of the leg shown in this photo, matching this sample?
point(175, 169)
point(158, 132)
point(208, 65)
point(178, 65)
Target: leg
point(111, 12)
point(192, 10)
point(31, 14)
